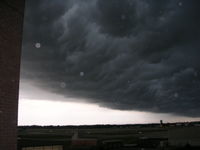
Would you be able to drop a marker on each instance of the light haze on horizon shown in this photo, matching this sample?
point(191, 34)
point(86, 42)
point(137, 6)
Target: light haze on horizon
point(52, 109)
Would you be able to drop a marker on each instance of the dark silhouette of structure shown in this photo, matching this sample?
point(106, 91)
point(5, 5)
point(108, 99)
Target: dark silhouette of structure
point(11, 21)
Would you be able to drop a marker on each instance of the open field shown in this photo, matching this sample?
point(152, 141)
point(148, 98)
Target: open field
point(173, 136)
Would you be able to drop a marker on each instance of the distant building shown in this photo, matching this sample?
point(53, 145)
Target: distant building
point(82, 142)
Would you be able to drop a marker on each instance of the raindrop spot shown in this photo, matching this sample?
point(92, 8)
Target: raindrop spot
point(81, 74)
point(62, 84)
point(123, 17)
point(37, 45)
point(180, 4)
point(176, 95)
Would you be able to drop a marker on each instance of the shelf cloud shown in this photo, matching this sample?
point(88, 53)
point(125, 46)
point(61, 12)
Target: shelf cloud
point(122, 54)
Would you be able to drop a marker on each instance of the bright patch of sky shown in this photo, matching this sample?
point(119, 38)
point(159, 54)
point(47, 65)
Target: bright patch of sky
point(70, 112)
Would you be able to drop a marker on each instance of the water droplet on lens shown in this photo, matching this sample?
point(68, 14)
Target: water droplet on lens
point(176, 95)
point(37, 45)
point(62, 84)
point(123, 17)
point(81, 74)
point(180, 4)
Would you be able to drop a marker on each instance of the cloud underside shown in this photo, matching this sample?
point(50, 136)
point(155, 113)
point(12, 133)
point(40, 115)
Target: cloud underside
point(129, 55)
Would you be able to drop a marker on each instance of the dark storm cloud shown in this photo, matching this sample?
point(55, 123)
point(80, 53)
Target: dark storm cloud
point(130, 54)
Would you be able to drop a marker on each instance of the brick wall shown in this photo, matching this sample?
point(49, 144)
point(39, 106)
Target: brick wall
point(11, 21)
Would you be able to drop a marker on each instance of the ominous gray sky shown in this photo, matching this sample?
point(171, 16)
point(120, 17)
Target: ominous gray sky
point(123, 54)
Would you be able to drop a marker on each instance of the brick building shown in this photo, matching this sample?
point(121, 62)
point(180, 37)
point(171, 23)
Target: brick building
point(11, 21)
